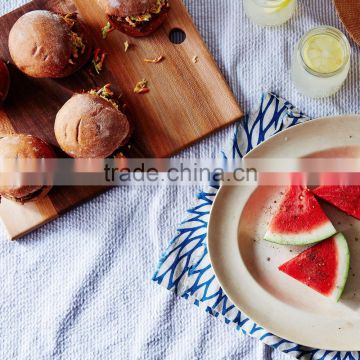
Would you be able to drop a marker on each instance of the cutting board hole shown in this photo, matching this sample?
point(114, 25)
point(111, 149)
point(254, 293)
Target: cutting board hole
point(177, 36)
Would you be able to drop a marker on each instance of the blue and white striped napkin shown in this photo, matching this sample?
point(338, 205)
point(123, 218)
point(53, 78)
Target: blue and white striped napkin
point(185, 266)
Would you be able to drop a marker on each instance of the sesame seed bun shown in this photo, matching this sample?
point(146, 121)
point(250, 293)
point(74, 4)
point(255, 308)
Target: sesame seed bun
point(21, 146)
point(40, 44)
point(88, 126)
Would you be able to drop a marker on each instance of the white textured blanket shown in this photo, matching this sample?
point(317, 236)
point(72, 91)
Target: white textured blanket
point(80, 287)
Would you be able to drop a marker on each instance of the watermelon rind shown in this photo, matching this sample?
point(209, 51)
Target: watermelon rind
point(322, 232)
point(299, 220)
point(343, 266)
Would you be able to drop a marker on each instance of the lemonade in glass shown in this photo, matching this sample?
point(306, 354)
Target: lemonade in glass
point(321, 62)
point(269, 12)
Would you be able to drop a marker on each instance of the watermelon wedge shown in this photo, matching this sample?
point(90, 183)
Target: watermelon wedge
point(299, 220)
point(323, 267)
point(345, 198)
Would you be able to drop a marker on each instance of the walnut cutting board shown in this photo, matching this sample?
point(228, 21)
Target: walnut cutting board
point(187, 101)
point(348, 11)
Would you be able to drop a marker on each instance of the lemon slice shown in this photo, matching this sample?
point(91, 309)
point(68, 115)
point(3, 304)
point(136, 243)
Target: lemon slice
point(274, 9)
point(323, 53)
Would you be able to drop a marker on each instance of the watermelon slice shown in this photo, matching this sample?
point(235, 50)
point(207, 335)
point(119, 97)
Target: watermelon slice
point(345, 198)
point(323, 267)
point(299, 220)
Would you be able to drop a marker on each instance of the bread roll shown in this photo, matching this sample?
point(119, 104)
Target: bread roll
point(89, 126)
point(136, 18)
point(21, 146)
point(43, 44)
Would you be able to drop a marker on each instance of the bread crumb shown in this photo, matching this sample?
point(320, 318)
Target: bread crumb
point(154, 61)
point(195, 59)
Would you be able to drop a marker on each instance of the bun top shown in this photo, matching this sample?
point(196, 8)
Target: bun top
point(123, 8)
point(21, 146)
point(88, 126)
point(40, 44)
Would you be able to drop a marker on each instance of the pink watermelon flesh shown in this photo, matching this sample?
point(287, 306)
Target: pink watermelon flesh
point(299, 220)
point(323, 267)
point(345, 198)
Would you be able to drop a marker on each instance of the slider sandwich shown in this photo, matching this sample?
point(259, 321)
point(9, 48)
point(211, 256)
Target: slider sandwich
point(43, 44)
point(136, 18)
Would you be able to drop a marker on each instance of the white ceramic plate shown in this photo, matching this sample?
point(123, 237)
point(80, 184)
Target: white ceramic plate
point(246, 266)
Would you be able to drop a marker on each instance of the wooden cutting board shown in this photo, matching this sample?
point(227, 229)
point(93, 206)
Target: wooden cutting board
point(187, 101)
point(348, 11)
